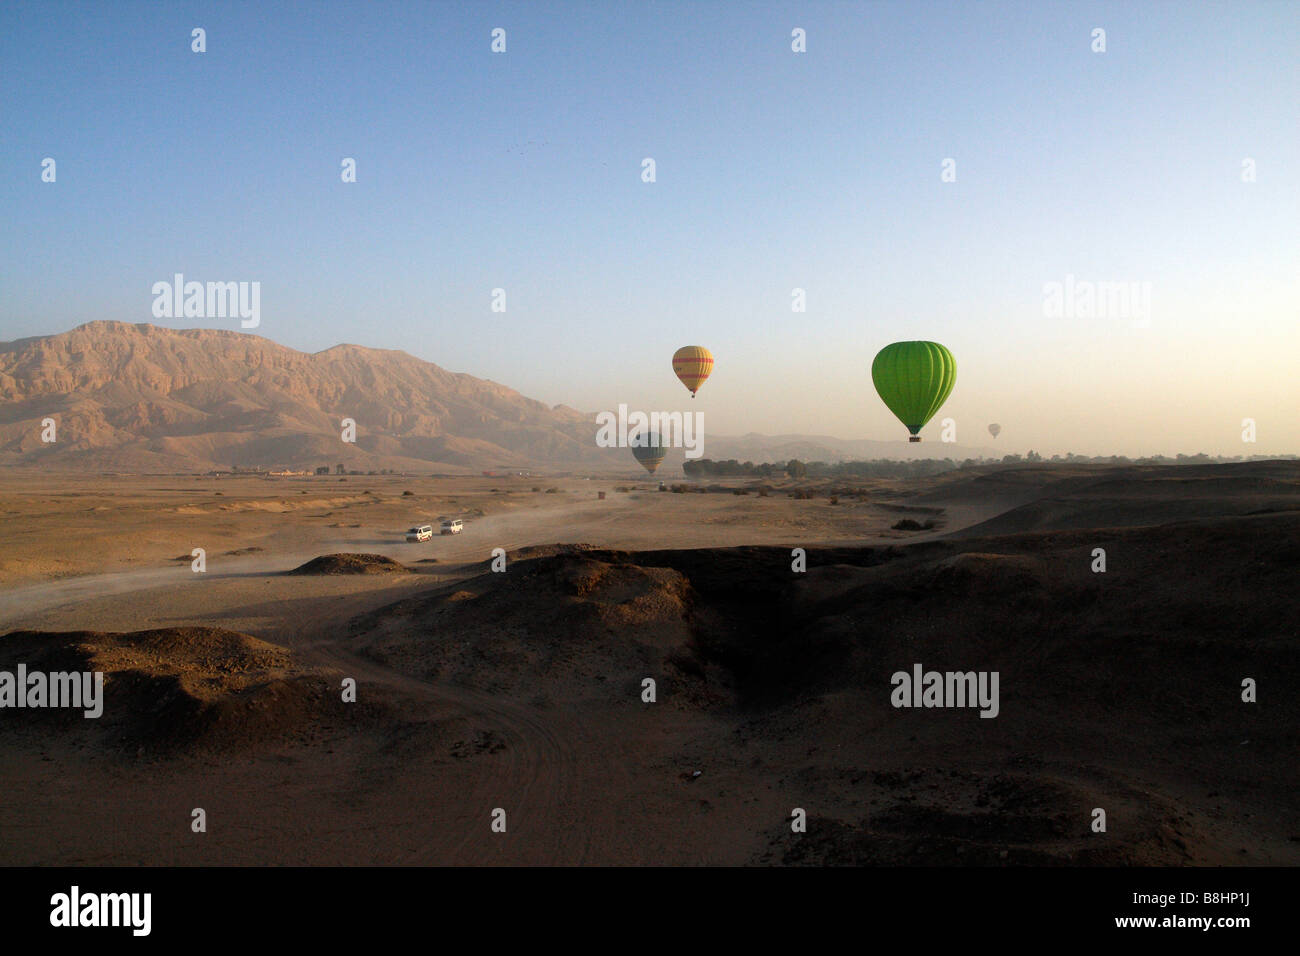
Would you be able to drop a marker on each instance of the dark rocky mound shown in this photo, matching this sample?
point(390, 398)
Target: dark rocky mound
point(911, 524)
point(529, 552)
point(560, 621)
point(174, 689)
point(352, 564)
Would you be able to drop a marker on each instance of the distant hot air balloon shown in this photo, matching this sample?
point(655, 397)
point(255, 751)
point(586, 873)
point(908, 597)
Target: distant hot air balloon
point(994, 429)
point(692, 364)
point(914, 379)
point(647, 450)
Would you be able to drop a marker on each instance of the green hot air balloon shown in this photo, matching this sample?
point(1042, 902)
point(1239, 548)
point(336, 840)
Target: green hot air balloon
point(647, 450)
point(914, 379)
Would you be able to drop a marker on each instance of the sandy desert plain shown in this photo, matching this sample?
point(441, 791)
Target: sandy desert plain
point(522, 690)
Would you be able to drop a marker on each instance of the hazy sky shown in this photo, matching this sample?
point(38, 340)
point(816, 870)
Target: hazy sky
point(775, 170)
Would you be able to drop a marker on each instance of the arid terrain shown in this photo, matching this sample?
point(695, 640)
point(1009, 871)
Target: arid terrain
point(521, 689)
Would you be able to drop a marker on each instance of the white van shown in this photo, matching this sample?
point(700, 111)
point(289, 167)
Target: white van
point(423, 533)
point(453, 527)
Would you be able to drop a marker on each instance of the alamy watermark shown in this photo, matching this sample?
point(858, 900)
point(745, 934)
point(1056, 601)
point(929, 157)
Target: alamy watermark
point(75, 908)
point(922, 688)
point(1085, 299)
point(213, 300)
point(79, 691)
point(675, 429)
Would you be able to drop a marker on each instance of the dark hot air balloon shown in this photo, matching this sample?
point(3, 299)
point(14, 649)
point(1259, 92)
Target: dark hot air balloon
point(647, 449)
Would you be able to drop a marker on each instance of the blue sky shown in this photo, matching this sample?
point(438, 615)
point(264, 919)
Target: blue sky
point(775, 171)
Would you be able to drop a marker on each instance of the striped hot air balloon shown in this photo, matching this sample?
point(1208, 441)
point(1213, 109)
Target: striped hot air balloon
point(692, 364)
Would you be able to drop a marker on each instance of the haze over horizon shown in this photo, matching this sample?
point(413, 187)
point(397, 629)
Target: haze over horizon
point(775, 171)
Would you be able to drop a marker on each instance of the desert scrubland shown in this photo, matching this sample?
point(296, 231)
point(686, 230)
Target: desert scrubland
point(523, 690)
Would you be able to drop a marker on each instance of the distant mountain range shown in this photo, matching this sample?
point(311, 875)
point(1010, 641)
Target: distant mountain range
point(140, 398)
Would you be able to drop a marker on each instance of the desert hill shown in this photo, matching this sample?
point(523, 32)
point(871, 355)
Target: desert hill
point(140, 397)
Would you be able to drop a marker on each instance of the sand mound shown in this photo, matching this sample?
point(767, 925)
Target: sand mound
point(351, 564)
point(532, 551)
point(911, 524)
point(171, 689)
point(977, 573)
point(564, 623)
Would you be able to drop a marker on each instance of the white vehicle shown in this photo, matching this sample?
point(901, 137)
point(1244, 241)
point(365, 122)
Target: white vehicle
point(423, 533)
point(453, 527)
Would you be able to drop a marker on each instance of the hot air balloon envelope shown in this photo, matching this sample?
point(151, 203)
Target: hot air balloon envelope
point(994, 429)
point(646, 448)
point(692, 364)
point(914, 379)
